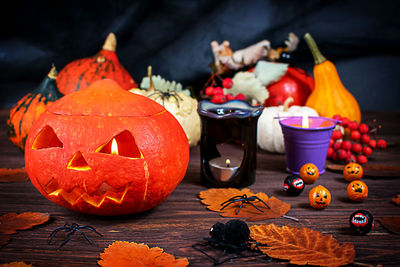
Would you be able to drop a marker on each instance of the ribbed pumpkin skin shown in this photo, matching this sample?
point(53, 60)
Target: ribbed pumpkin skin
point(330, 97)
point(81, 73)
point(28, 109)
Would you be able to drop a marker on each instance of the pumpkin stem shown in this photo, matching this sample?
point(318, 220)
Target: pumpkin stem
point(287, 103)
point(53, 72)
point(150, 75)
point(110, 43)
point(318, 57)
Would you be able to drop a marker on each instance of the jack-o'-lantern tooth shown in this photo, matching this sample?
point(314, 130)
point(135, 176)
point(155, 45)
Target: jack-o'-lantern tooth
point(46, 138)
point(78, 163)
point(123, 144)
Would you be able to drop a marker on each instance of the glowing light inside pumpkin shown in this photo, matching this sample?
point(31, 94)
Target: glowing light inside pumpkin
point(305, 123)
point(228, 161)
point(114, 147)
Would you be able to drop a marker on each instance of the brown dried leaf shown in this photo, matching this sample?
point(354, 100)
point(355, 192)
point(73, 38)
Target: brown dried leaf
point(391, 223)
point(13, 175)
point(214, 197)
point(122, 253)
point(4, 239)
point(16, 264)
point(302, 246)
point(396, 200)
point(11, 222)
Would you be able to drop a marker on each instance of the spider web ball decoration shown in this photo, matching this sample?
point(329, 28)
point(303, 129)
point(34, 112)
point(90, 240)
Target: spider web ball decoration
point(106, 151)
point(361, 222)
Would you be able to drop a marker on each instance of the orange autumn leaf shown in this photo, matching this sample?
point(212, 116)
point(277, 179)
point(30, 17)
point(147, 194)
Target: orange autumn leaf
point(122, 253)
point(13, 175)
point(214, 197)
point(396, 200)
point(16, 264)
point(302, 246)
point(11, 222)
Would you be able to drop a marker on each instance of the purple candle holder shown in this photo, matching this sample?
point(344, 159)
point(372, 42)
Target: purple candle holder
point(306, 145)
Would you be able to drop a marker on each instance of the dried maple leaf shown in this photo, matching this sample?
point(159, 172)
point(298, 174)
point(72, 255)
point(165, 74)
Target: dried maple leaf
point(16, 264)
point(13, 175)
point(214, 197)
point(396, 200)
point(122, 253)
point(302, 246)
point(11, 222)
point(391, 223)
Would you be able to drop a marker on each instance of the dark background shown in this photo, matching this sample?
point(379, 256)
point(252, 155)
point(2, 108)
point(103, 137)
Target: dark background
point(362, 38)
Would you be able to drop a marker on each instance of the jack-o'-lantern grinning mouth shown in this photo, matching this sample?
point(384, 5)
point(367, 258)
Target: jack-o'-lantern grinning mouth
point(104, 192)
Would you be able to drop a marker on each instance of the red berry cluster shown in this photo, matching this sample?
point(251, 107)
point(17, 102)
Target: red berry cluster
point(355, 145)
point(216, 93)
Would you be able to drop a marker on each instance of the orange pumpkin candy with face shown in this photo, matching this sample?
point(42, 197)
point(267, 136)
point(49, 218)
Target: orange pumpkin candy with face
point(106, 151)
point(309, 173)
point(352, 171)
point(319, 197)
point(357, 191)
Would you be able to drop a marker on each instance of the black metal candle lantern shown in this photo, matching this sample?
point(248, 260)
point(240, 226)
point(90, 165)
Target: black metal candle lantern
point(234, 121)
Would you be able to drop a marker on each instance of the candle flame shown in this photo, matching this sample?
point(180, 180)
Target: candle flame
point(228, 161)
point(305, 123)
point(114, 147)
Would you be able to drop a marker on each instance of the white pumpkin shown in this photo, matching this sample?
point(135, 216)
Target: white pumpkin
point(269, 132)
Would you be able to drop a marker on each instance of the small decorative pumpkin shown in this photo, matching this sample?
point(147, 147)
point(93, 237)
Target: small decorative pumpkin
point(309, 172)
point(352, 171)
point(106, 151)
point(319, 197)
point(30, 107)
point(294, 185)
point(329, 96)
point(357, 191)
point(81, 73)
point(181, 105)
point(269, 132)
point(361, 222)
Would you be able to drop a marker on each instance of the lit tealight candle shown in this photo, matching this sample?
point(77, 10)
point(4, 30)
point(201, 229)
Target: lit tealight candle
point(114, 147)
point(305, 122)
point(223, 169)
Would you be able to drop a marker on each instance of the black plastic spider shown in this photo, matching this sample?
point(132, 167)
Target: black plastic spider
point(232, 238)
point(165, 95)
point(72, 229)
point(244, 199)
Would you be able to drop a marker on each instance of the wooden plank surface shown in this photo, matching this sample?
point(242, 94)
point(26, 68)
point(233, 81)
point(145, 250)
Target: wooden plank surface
point(181, 220)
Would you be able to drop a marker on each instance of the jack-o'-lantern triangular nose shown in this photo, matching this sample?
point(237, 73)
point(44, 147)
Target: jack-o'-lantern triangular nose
point(78, 163)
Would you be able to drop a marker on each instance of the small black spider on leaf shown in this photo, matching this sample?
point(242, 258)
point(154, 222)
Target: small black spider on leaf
point(244, 200)
point(233, 238)
point(72, 229)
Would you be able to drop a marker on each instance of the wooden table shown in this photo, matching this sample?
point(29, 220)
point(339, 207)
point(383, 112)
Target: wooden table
point(181, 220)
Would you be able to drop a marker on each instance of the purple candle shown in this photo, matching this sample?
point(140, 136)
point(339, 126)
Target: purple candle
point(306, 144)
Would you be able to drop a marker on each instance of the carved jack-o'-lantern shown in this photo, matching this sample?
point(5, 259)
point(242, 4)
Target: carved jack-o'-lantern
point(309, 173)
point(352, 171)
point(357, 191)
point(106, 151)
point(319, 197)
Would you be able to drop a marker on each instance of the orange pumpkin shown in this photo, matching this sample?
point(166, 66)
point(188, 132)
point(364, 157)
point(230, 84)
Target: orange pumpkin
point(329, 96)
point(357, 191)
point(106, 151)
point(352, 171)
point(30, 107)
point(319, 197)
point(81, 73)
point(309, 173)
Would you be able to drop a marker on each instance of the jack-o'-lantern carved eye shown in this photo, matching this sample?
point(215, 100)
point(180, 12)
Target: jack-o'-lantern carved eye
point(46, 138)
point(123, 144)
